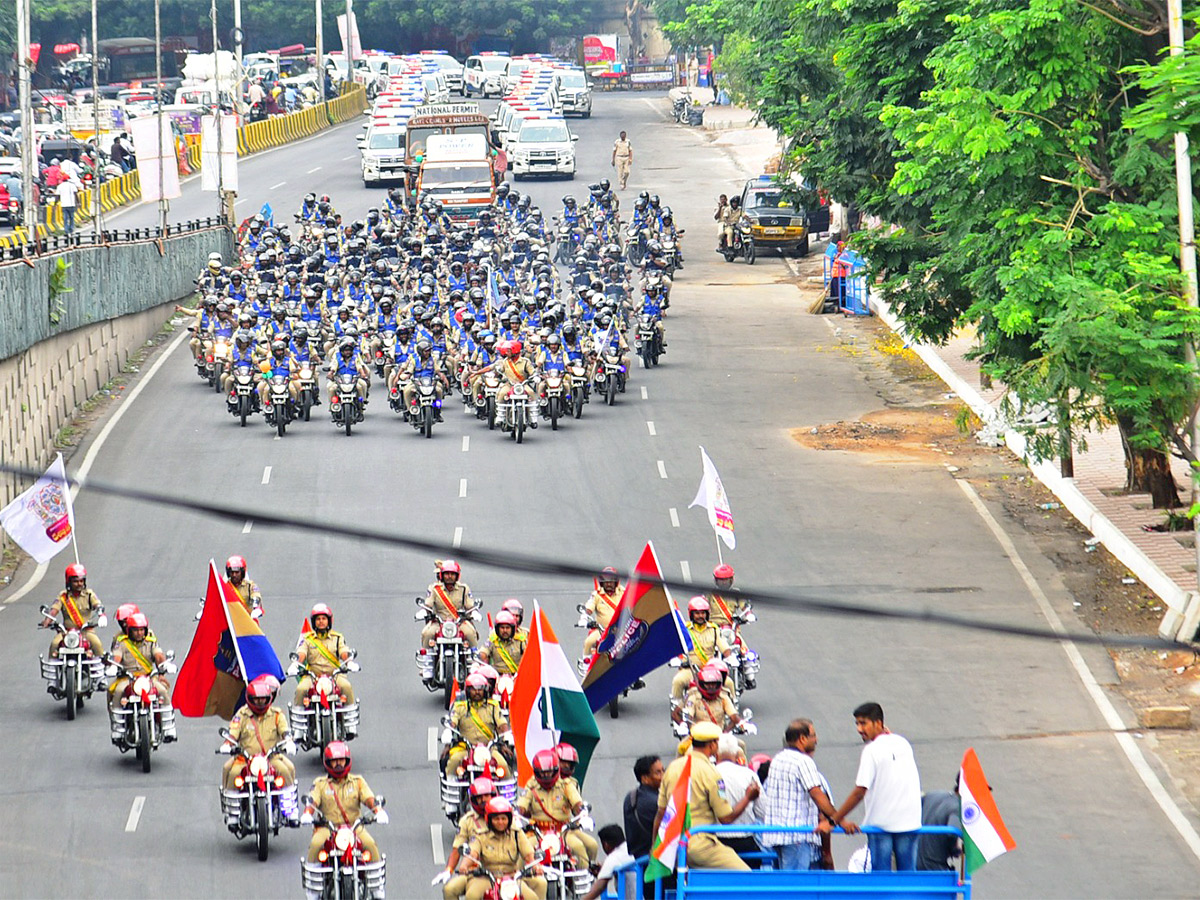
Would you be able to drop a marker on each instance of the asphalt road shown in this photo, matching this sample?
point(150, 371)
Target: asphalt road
point(741, 371)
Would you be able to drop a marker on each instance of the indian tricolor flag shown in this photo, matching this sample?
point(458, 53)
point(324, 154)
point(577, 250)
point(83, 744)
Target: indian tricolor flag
point(676, 821)
point(984, 834)
point(547, 704)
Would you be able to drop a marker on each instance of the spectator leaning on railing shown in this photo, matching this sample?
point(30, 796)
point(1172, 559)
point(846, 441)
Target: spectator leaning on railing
point(795, 794)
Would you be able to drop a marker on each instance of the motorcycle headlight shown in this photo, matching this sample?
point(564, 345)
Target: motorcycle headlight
point(141, 685)
point(325, 685)
point(71, 640)
point(551, 844)
point(480, 755)
point(343, 840)
point(509, 890)
point(258, 766)
point(449, 629)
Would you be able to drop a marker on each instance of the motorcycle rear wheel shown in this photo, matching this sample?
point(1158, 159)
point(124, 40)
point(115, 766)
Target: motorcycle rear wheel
point(729, 253)
point(262, 827)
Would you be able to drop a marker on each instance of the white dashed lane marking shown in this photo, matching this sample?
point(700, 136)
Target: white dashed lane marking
point(662, 469)
point(457, 542)
point(267, 475)
point(135, 813)
point(686, 570)
point(674, 517)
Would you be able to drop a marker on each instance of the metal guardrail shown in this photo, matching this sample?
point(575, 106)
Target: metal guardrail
point(45, 242)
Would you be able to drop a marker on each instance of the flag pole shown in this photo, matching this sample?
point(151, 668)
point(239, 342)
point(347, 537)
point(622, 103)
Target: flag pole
point(68, 493)
point(720, 558)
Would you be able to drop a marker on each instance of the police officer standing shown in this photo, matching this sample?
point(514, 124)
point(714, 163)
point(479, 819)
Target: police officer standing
point(622, 159)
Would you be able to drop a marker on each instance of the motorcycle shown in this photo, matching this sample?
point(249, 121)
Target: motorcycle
point(636, 239)
point(583, 388)
point(487, 409)
point(584, 664)
point(425, 406)
point(558, 402)
point(325, 717)
point(215, 361)
point(242, 398)
point(255, 803)
point(743, 664)
point(451, 656)
point(278, 412)
point(743, 244)
point(76, 672)
point(344, 870)
point(563, 878)
point(504, 887)
point(569, 238)
point(648, 344)
point(344, 406)
point(517, 415)
point(477, 764)
point(385, 356)
point(308, 392)
point(138, 715)
point(683, 727)
point(610, 378)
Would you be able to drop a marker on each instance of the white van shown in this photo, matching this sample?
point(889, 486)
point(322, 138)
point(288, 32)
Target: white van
point(482, 74)
point(542, 146)
point(382, 152)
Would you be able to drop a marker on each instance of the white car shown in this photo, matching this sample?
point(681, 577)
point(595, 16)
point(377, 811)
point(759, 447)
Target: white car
point(382, 149)
point(451, 68)
point(543, 147)
point(482, 74)
point(575, 92)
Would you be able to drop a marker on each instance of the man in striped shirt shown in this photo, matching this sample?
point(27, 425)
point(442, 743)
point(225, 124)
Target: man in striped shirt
point(796, 793)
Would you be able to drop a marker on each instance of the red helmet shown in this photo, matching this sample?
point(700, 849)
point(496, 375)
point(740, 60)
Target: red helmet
point(124, 611)
point(476, 681)
point(489, 673)
point(498, 806)
point(260, 692)
point(450, 567)
point(481, 791)
point(568, 758)
point(337, 759)
point(545, 767)
point(608, 573)
point(137, 620)
point(697, 604)
point(723, 571)
point(505, 348)
point(320, 609)
point(513, 605)
point(235, 563)
point(720, 665)
point(709, 681)
point(514, 348)
point(75, 570)
point(504, 617)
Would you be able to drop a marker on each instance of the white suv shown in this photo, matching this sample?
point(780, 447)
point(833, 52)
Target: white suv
point(482, 74)
point(543, 147)
point(575, 92)
point(382, 149)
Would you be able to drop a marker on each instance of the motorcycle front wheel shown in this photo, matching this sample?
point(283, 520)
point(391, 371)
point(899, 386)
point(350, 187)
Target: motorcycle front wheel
point(554, 413)
point(491, 413)
point(519, 429)
point(751, 253)
point(614, 707)
point(262, 827)
point(71, 695)
point(347, 418)
point(427, 421)
point(144, 742)
point(243, 409)
point(306, 404)
point(610, 392)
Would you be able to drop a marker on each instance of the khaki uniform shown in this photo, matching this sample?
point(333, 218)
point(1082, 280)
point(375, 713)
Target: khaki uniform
point(248, 593)
point(707, 804)
point(720, 608)
point(138, 659)
point(340, 801)
point(76, 613)
point(553, 808)
point(315, 651)
point(603, 607)
point(479, 723)
point(448, 603)
point(470, 826)
point(518, 371)
point(728, 217)
point(720, 711)
point(503, 656)
point(258, 734)
point(707, 645)
point(503, 854)
point(623, 154)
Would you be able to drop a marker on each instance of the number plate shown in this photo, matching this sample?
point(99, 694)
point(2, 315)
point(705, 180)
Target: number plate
point(773, 230)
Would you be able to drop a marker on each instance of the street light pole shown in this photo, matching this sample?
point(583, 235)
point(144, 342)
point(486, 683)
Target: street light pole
point(98, 173)
point(217, 118)
point(162, 198)
point(320, 54)
point(350, 42)
point(29, 207)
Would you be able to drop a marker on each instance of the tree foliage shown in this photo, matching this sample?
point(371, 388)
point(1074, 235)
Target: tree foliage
point(1019, 153)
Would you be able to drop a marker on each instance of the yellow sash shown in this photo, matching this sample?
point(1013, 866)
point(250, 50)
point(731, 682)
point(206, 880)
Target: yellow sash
point(478, 721)
point(137, 654)
point(504, 653)
point(311, 638)
point(696, 648)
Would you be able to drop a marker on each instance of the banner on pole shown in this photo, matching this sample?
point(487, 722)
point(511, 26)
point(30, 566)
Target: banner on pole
point(145, 133)
point(228, 169)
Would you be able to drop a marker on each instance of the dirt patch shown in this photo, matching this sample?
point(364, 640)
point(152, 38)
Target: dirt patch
point(897, 435)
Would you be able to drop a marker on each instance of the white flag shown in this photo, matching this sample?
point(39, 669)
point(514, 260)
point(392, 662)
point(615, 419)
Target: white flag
point(712, 497)
point(146, 145)
point(40, 519)
point(223, 164)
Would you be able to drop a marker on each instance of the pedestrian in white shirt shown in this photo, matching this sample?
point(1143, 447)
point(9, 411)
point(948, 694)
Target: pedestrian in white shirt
point(737, 776)
point(889, 787)
point(617, 855)
point(66, 191)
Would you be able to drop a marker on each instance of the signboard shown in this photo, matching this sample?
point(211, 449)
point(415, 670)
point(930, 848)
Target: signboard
point(447, 109)
point(441, 147)
point(599, 52)
point(663, 77)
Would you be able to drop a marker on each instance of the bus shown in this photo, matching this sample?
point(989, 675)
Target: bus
point(125, 60)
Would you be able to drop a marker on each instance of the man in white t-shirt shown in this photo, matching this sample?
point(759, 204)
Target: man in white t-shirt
point(731, 766)
point(889, 787)
point(612, 839)
point(66, 196)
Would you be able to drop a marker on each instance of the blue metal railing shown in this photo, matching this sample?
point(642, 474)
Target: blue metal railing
point(937, 885)
point(853, 299)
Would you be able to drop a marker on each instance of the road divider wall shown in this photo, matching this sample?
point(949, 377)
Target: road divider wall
point(108, 300)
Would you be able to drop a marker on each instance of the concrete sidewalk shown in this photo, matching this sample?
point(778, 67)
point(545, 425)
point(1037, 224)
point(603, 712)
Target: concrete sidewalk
point(1164, 561)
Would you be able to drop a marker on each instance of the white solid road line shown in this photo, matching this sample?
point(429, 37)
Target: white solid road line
point(457, 542)
point(266, 475)
point(650, 427)
point(645, 396)
point(662, 469)
point(466, 442)
point(89, 458)
point(462, 488)
point(274, 186)
point(313, 169)
point(686, 570)
point(1111, 717)
point(135, 813)
point(431, 743)
point(674, 517)
point(246, 528)
point(435, 838)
